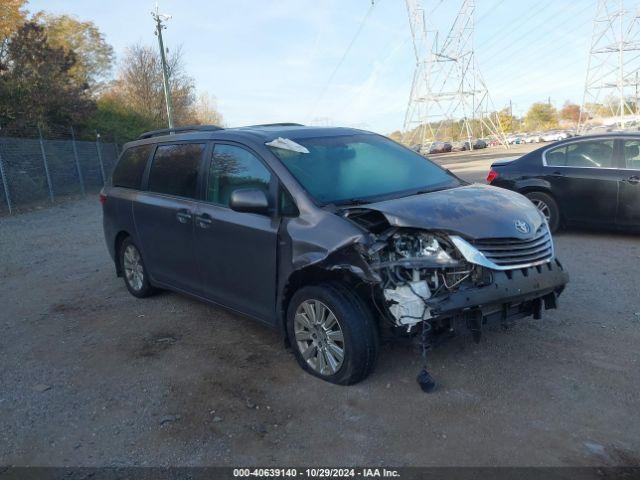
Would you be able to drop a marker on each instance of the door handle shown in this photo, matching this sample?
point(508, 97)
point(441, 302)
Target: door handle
point(204, 221)
point(183, 216)
point(634, 180)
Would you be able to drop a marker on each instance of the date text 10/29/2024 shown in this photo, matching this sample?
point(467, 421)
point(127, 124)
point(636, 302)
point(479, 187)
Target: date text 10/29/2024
point(316, 472)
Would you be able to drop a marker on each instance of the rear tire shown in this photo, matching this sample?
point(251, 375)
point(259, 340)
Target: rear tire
point(548, 207)
point(352, 339)
point(133, 270)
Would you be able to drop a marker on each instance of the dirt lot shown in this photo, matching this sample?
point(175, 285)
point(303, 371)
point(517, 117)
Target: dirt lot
point(92, 376)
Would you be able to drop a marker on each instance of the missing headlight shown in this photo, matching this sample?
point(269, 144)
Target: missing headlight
point(415, 266)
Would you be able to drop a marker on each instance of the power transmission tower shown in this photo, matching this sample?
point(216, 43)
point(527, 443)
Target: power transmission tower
point(447, 92)
point(614, 62)
point(159, 18)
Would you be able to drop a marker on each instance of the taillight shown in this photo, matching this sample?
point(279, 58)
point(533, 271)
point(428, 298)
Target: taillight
point(103, 198)
point(492, 175)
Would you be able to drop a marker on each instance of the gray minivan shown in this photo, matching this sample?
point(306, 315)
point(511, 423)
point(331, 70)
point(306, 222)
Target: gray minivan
point(337, 237)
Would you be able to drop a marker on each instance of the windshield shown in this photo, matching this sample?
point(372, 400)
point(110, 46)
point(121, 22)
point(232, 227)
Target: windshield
point(361, 168)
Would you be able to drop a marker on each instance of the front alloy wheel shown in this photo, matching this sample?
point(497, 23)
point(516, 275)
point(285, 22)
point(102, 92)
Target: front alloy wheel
point(319, 337)
point(332, 332)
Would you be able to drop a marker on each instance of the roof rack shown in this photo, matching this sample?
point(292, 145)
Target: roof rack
point(283, 124)
point(186, 128)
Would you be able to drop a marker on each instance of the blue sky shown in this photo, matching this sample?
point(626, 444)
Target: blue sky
point(271, 60)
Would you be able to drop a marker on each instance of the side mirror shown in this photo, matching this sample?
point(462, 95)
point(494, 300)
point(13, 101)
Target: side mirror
point(250, 200)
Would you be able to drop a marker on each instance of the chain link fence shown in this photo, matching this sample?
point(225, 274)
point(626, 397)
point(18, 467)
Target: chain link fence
point(45, 164)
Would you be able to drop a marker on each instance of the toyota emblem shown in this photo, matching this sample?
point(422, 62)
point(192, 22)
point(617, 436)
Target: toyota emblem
point(522, 226)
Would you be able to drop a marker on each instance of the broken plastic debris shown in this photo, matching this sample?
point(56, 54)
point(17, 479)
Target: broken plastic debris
point(408, 307)
point(287, 144)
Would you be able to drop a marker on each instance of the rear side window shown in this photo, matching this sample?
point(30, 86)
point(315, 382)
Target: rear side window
point(556, 157)
point(597, 154)
point(589, 154)
point(632, 154)
point(128, 173)
point(233, 168)
point(174, 170)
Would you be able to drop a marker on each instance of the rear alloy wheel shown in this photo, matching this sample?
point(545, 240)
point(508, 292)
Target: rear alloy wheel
point(332, 332)
point(548, 207)
point(134, 271)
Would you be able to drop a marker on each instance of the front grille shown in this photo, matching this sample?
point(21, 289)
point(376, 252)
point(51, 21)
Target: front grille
point(513, 252)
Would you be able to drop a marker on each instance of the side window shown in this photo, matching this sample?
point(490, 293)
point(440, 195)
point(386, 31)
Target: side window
point(593, 154)
point(556, 157)
point(174, 170)
point(632, 154)
point(233, 168)
point(129, 170)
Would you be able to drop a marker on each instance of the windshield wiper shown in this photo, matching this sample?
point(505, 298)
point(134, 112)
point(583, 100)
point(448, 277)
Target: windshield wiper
point(352, 201)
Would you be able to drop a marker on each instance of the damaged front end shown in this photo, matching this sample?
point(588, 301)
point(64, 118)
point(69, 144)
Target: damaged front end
point(441, 278)
point(435, 281)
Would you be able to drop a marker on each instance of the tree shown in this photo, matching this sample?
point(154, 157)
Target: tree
point(94, 56)
point(397, 136)
point(114, 118)
point(541, 116)
point(205, 112)
point(139, 85)
point(12, 16)
point(508, 122)
point(570, 112)
point(36, 86)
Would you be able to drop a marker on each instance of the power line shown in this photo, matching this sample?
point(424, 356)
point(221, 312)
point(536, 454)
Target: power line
point(535, 30)
point(490, 11)
point(540, 60)
point(344, 56)
point(513, 27)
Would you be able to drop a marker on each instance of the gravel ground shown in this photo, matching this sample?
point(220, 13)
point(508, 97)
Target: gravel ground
point(91, 376)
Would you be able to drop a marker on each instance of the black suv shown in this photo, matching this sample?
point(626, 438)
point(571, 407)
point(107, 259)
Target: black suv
point(335, 236)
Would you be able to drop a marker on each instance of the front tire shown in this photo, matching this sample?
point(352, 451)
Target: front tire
point(134, 271)
point(548, 207)
point(333, 334)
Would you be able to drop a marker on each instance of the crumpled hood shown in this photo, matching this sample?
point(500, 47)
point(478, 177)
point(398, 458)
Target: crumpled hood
point(473, 211)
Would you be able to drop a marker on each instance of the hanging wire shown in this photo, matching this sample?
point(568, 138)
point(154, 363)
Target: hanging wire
point(343, 57)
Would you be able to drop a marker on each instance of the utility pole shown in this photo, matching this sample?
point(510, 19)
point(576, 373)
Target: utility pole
point(159, 18)
point(510, 115)
point(636, 86)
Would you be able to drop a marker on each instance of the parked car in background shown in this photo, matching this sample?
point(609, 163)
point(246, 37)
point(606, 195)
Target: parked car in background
point(515, 139)
point(459, 146)
point(334, 236)
point(462, 146)
point(532, 138)
point(590, 180)
point(554, 136)
point(440, 147)
point(479, 144)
